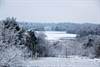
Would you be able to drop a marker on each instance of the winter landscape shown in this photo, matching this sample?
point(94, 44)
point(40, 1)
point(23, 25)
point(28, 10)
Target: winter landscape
point(22, 46)
point(49, 33)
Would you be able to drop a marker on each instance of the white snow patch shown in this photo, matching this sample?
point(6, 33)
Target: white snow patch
point(56, 35)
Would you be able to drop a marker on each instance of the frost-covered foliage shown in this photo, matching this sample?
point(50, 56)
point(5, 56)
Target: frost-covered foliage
point(49, 48)
point(42, 47)
point(91, 45)
point(14, 44)
point(57, 49)
point(85, 46)
point(65, 48)
point(31, 42)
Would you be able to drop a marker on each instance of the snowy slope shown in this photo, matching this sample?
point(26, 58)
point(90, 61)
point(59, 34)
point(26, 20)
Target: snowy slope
point(72, 61)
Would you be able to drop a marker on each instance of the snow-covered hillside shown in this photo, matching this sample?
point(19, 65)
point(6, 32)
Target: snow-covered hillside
point(72, 61)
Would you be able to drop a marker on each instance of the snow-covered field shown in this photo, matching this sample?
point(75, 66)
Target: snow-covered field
point(56, 35)
point(72, 61)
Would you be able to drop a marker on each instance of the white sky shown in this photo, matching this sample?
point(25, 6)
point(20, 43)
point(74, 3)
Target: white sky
point(52, 10)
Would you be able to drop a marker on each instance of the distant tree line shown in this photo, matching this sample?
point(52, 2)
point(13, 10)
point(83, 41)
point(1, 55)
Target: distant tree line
point(82, 29)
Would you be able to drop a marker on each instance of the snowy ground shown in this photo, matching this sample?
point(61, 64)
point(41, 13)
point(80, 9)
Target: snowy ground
point(72, 61)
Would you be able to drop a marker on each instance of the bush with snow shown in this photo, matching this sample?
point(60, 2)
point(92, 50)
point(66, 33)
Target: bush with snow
point(42, 47)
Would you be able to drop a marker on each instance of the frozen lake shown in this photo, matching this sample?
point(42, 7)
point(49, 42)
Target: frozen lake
point(56, 35)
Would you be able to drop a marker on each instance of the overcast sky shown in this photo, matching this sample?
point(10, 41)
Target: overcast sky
point(52, 10)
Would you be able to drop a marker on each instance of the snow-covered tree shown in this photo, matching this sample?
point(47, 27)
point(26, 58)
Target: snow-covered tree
point(14, 44)
point(42, 47)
